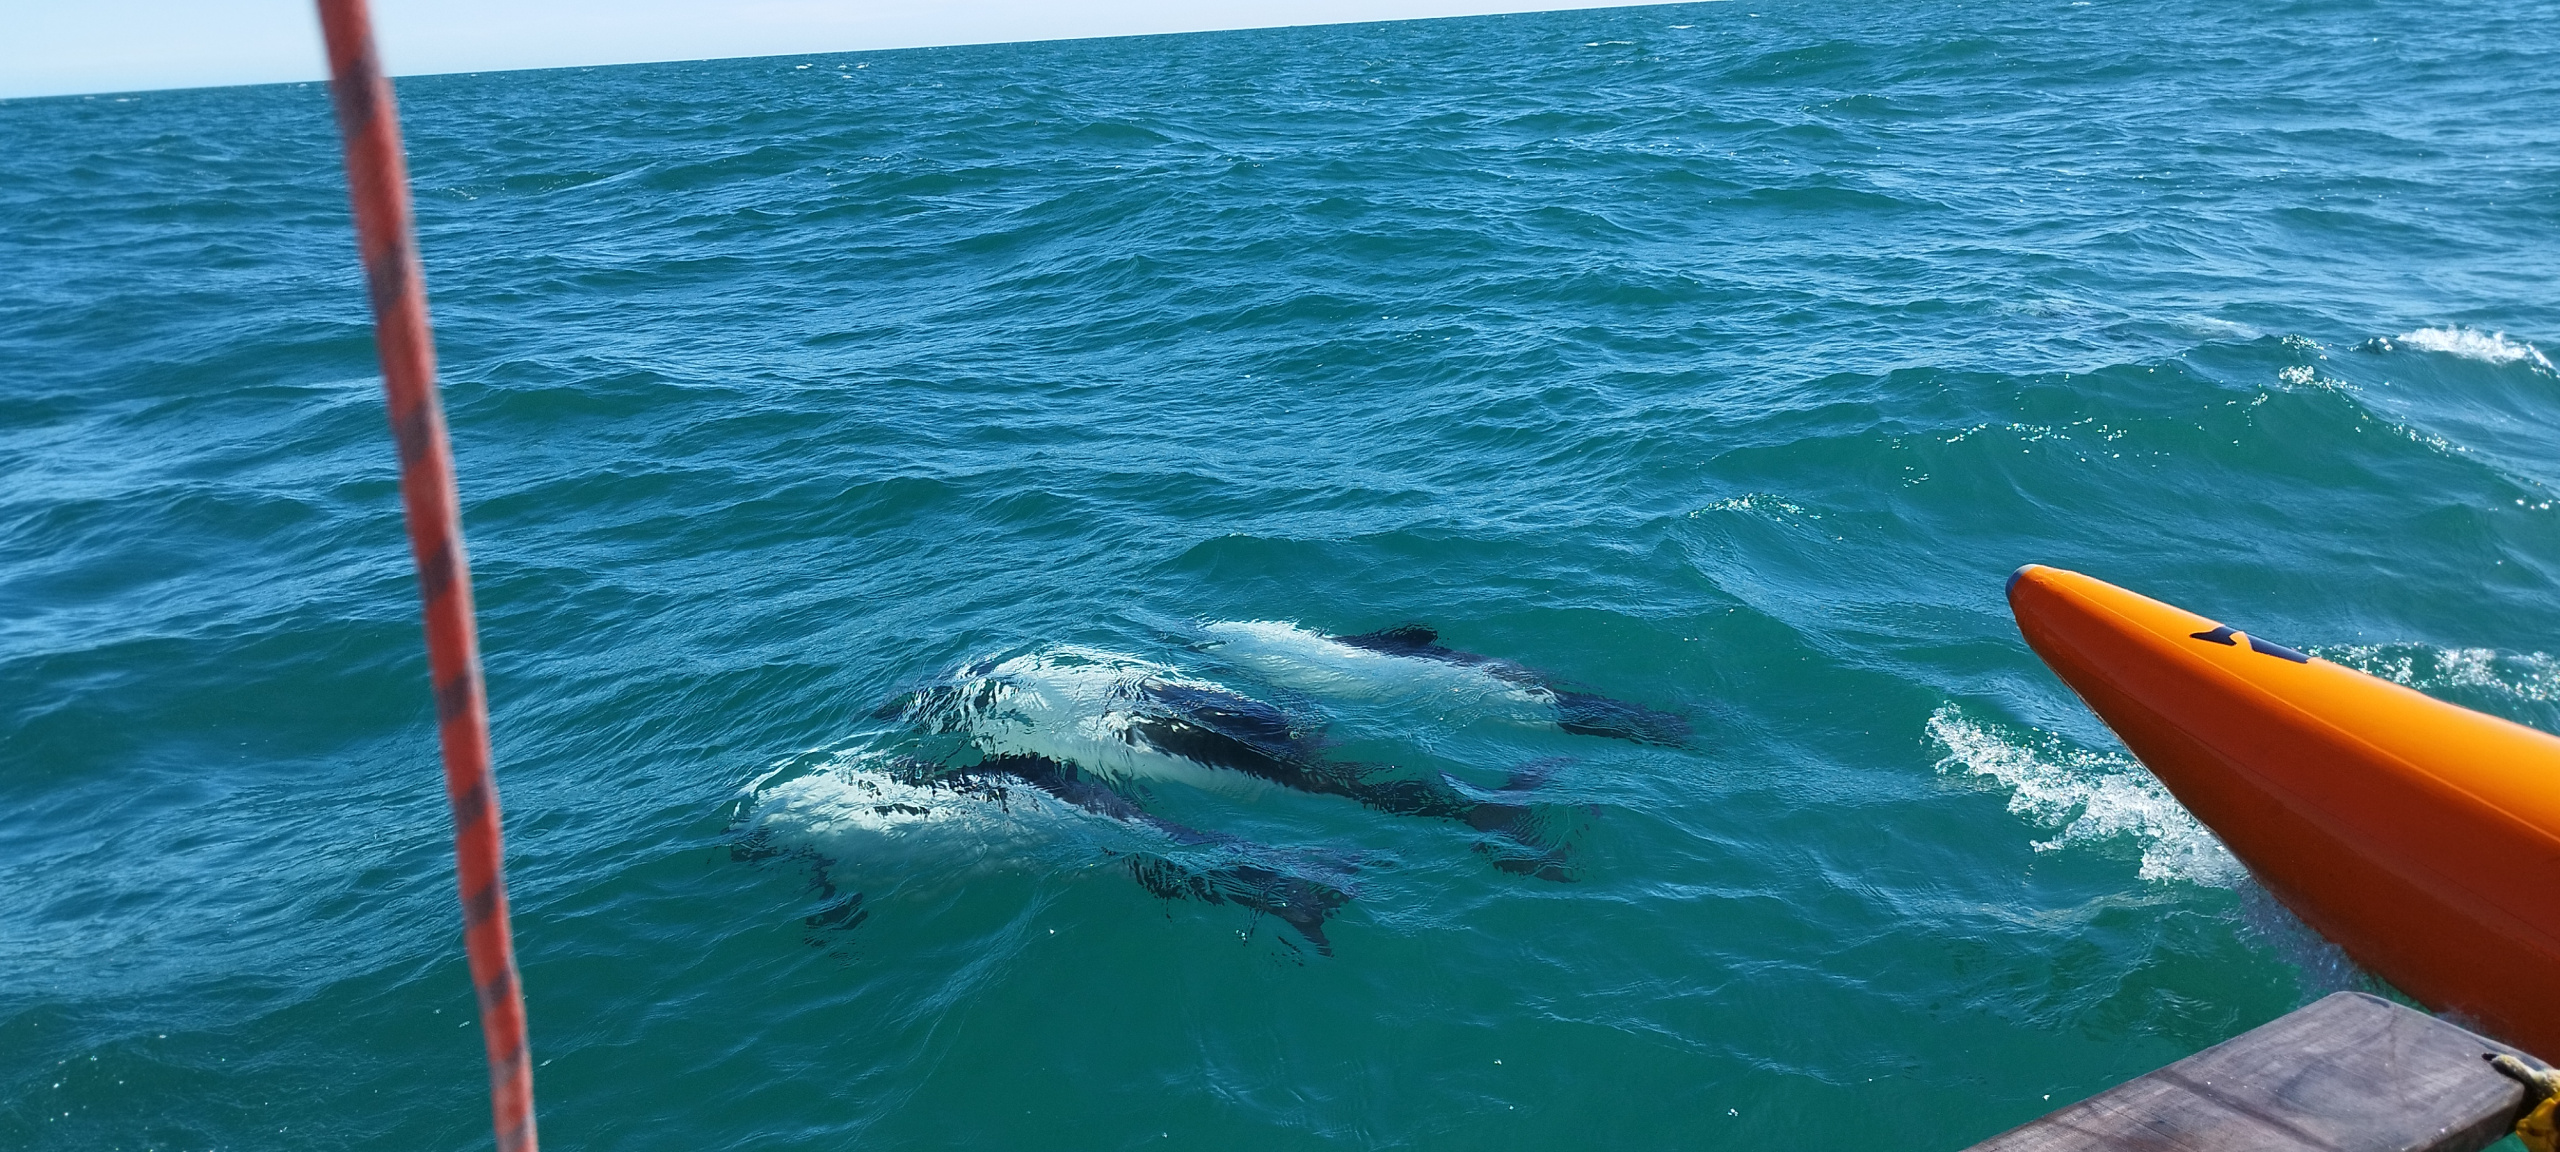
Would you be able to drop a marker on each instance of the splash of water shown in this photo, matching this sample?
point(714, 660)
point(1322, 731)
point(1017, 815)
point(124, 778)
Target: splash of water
point(2086, 797)
point(2473, 344)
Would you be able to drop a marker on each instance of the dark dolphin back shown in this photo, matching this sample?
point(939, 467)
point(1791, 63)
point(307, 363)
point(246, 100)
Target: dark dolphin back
point(1402, 640)
point(1232, 714)
point(1225, 730)
point(1064, 781)
point(1585, 713)
point(1421, 642)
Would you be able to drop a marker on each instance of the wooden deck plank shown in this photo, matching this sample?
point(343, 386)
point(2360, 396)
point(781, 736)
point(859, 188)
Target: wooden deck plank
point(2348, 1073)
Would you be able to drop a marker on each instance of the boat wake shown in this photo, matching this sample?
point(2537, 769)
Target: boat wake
point(2089, 797)
point(2085, 797)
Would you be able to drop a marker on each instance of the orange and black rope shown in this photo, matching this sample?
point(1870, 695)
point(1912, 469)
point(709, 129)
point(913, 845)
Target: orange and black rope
point(378, 183)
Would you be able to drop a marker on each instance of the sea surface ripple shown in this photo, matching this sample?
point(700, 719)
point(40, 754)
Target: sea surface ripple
point(1718, 359)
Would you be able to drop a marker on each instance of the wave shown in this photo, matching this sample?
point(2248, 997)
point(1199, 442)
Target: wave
point(2086, 797)
point(1775, 509)
point(2094, 797)
point(2473, 344)
point(2532, 677)
point(2320, 967)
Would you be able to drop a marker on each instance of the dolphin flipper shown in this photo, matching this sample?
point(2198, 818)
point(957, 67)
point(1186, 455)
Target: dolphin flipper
point(1525, 844)
point(1299, 902)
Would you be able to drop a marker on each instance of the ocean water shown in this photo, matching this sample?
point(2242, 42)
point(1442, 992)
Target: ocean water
point(844, 437)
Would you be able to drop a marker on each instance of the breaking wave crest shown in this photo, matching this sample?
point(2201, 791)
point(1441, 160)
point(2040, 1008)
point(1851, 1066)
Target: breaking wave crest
point(2473, 344)
point(2086, 797)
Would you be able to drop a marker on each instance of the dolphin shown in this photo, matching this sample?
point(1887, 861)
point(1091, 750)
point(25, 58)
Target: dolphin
point(1266, 887)
point(1121, 720)
point(993, 812)
point(1410, 660)
point(1000, 755)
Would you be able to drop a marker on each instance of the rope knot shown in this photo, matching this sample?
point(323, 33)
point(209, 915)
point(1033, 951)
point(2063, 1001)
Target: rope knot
point(2539, 1128)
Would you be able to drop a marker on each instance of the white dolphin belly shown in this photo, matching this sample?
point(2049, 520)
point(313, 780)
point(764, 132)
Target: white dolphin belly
point(1319, 665)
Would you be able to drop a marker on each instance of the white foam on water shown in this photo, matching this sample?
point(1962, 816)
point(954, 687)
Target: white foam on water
point(2473, 344)
point(1319, 665)
point(2530, 676)
point(2215, 325)
point(2092, 797)
point(1768, 507)
point(2306, 376)
point(2087, 798)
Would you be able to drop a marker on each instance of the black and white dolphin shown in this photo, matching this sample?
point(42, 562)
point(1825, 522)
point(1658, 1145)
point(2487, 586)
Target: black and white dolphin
point(1409, 661)
point(1003, 754)
point(894, 816)
point(1123, 720)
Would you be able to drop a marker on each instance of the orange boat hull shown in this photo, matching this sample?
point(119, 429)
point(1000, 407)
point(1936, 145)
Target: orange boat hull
point(2422, 837)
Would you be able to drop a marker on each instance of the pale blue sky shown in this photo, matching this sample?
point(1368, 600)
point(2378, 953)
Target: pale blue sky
point(51, 47)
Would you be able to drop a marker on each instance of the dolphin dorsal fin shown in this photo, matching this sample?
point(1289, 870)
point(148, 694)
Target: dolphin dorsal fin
point(1401, 638)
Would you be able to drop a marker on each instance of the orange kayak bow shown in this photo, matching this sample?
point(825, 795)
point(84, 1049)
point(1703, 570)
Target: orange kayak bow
point(2422, 837)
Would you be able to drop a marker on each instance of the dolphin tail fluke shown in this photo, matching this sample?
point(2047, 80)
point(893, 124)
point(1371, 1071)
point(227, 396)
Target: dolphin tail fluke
point(1529, 839)
point(1299, 902)
point(1523, 843)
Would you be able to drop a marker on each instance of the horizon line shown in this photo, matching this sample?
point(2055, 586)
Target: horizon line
point(428, 57)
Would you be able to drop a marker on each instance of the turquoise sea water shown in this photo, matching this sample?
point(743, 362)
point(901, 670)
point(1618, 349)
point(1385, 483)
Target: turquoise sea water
point(1716, 359)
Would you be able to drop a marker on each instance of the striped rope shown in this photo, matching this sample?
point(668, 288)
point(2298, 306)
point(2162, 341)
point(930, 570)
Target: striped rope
point(378, 183)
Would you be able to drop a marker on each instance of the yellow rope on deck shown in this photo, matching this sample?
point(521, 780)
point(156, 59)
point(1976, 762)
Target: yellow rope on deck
point(2540, 1128)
